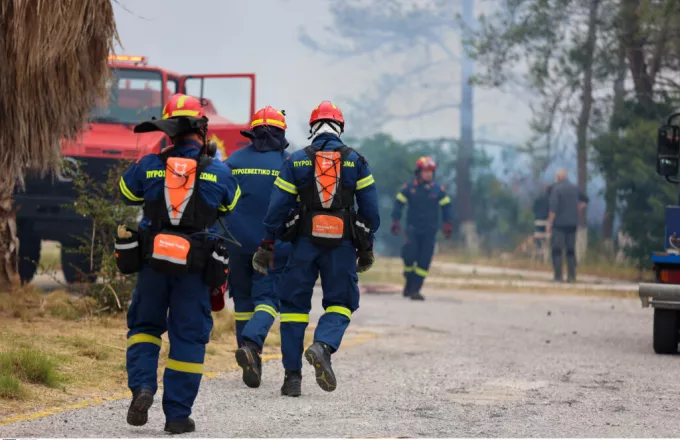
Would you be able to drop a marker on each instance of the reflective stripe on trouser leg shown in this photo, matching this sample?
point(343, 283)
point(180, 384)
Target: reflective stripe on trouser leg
point(241, 319)
point(142, 361)
point(189, 326)
point(293, 326)
point(332, 326)
point(257, 328)
point(147, 321)
point(422, 264)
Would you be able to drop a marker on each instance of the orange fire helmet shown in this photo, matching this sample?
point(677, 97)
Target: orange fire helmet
point(183, 105)
point(426, 163)
point(269, 116)
point(327, 111)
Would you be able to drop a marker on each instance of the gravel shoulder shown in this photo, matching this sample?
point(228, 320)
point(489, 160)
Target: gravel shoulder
point(463, 363)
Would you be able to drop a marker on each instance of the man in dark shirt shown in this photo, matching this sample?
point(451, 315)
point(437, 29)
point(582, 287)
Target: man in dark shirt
point(566, 201)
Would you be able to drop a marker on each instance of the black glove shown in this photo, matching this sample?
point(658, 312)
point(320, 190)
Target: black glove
point(264, 257)
point(365, 260)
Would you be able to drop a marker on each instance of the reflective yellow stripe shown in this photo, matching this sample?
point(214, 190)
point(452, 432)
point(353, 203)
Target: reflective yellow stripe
point(294, 317)
point(286, 186)
point(243, 316)
point(268, 121)
point(184, 367)
point(127, 193)
point(421, 272)
point(180, 101)
point(409, 268)
point(143, 337)
point(176, 113)
point(366, 181)
point(266, 308)
point(341, 310)
point(445, 201)
point(402, 198)
point(237, 195)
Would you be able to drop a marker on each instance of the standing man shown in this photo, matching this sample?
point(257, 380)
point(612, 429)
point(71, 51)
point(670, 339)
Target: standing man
point(183, 191)
point(425, 198)
point(332, 240)
point(256, 305)
point(566, 201)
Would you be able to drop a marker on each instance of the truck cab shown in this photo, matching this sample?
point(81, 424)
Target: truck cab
point(664, 294)
point(136, 92)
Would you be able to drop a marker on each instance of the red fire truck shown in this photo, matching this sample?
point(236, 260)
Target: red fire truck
point(137, 92)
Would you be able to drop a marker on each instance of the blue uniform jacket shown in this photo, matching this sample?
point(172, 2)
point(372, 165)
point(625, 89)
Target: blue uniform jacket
point(424, 201)
point(145, 180)
point(298, 172)
point(255, 172)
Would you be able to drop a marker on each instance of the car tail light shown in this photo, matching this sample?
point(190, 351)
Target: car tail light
point(670, 276)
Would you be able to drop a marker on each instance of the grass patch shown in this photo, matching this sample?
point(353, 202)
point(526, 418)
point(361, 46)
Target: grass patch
point(224, 325)
point(31, 366)
point(65, 306)
point(10, 387)
point(593, 264)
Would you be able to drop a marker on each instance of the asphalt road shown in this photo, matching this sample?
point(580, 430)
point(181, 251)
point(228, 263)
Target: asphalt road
point(466, 364)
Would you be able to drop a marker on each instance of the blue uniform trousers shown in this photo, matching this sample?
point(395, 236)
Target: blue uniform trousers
point(417, 255)
point(180, 305)
point(339, 281)
point(256, 303)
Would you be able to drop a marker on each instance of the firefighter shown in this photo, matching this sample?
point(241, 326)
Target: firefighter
point(329, 238)
point(424, 197)
point(255, 303)
point(182, 191)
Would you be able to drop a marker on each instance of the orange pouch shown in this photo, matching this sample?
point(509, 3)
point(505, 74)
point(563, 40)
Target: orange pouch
point(171, 253)
point(327, 229)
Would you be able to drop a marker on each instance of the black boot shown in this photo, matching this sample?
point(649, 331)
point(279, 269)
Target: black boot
point(571, 267)
point(138, 413)
point(319, 356)
point(292, 384)
point(417, 296)
point(407, 287)
point(186, 425)
point(248, 358)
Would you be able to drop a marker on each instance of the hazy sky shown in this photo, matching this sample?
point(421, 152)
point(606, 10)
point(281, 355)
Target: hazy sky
point(261, 36)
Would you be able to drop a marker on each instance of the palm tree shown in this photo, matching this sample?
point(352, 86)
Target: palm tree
point(54, 66)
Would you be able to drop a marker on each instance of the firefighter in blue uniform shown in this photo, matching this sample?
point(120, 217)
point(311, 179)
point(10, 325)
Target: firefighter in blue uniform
point(329, 238)
point(183, 191)
point(256, 306)
point(424, 198)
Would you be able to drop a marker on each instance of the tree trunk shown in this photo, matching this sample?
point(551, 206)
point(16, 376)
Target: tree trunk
point(609, 174)
point(466, 148)
point(584, 119)
point(9, 242)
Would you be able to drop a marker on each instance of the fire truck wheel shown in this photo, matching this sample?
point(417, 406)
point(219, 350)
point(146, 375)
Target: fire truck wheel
point(29, 254)
point(666, 325)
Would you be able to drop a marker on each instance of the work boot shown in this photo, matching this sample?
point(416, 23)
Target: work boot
point(248, 358)
point(292, 384)
point(319, 356)
point(186, 425)
point(138, 413)
point(417, 296)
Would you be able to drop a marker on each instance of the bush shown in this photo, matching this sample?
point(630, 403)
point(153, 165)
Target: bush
point(29, 365)
point(100, 201)
point(10, 387)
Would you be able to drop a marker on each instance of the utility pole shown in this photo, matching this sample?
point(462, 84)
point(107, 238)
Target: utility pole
point(466, 147)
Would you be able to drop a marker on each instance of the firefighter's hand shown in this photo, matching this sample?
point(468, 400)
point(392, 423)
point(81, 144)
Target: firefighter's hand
point(447, 230)
point(396, 227)
point(365, 260)
point(123, 232)
point(264, 257)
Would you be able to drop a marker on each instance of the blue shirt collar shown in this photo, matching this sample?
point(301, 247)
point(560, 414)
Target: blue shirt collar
point(333, 140)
